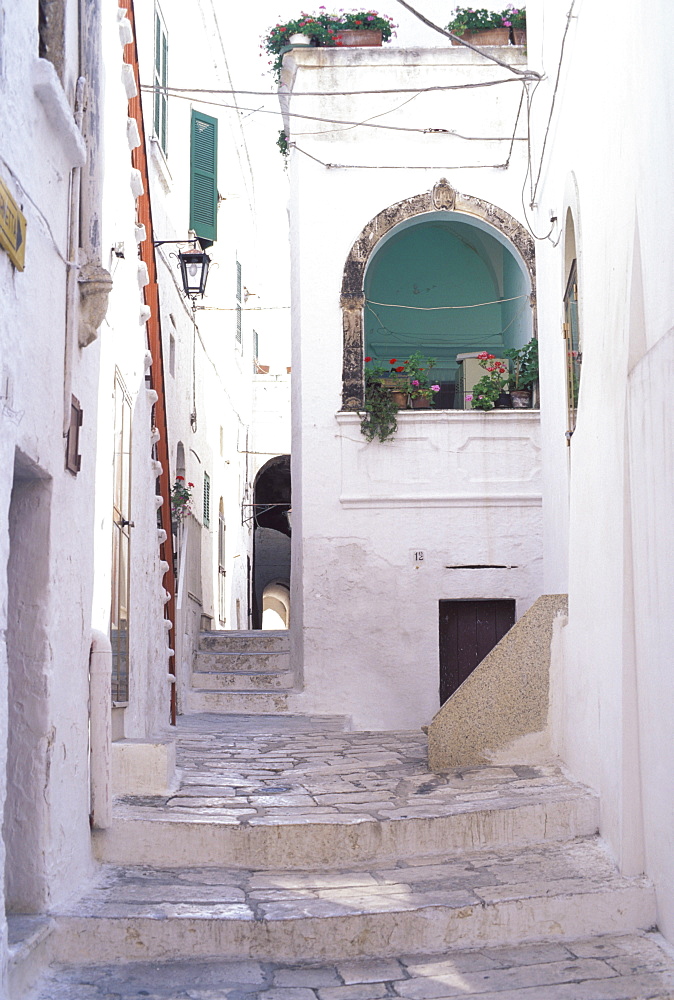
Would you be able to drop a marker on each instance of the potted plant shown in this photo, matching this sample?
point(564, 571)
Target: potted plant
point(486, 392)
point(524, 373)
point(393, 388)
point(517, 16)
point(381, 403)
point(479, 26)
point(323, 29)
point(421, 391)
point(181, 499)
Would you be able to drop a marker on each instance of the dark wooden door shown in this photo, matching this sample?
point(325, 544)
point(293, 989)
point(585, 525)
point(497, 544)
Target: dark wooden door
point(468, 631)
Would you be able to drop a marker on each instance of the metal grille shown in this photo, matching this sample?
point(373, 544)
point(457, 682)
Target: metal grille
point(207, 500)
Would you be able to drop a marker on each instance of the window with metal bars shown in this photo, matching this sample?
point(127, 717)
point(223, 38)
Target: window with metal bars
point(239, 305)
point(160, 80)
point(207, 500)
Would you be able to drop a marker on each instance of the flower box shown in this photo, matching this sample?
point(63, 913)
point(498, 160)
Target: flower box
point(351, 37)
point(494, 36)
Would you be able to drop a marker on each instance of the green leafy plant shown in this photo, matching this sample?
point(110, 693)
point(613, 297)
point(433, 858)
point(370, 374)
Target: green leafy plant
point(471, 19)
point(524, 365)
point(491, 385)
point(417, 368)
point(282, 143)
point(380, 417)
point(321, 29)
point(517, 16)
point(474, 19)
point(181, 498)
point(381, 382)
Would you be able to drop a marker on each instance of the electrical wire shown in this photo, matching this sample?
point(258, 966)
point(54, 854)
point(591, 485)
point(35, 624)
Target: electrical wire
point(42, 217)
point(337, 121)
point(177, 91)
point(397, 166)
point(475, 305)
point(523, 74)
point(552, 103)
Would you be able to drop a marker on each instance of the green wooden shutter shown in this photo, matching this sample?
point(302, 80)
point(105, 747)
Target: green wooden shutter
point(204, 176)
point(160, 82)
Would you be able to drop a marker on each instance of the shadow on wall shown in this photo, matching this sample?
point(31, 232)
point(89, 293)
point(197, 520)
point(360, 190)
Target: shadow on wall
point(271, 546)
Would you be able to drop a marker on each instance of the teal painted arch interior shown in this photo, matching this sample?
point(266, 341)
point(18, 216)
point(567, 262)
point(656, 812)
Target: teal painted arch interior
point(445, 259)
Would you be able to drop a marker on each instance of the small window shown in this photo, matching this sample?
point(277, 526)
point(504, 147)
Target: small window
point(207, 500)
point(52, 33)
point(73, 457)
point(574, 354)
point(204, 176)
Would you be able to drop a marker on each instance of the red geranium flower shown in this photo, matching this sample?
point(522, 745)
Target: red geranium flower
point(180, 477)
point(368, 359)
point(400, 368)
point(190, 484)
point(392, 361)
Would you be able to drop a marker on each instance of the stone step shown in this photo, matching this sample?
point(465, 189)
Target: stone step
point(276, 641)
point(234, 661)
point(268, 826)
point(27, 951)
point(243, 680)
point(420, 905)
point(198, 700)
point(625, 967)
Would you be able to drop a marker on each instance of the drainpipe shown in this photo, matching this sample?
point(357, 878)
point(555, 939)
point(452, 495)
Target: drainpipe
point(72, 286)
point(100, 731)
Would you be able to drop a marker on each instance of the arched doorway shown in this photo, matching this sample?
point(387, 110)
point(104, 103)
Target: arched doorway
point(437, 249)
point(271, 539)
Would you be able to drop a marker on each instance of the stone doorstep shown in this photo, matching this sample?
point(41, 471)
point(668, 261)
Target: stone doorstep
point(242, 681)
point(244, 642)
point(151, 835)
point(610, 967)
point(198, 701)
point(230, 662)
point(488, 898)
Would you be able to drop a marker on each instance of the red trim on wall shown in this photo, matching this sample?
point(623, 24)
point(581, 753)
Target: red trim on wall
point(151, 292)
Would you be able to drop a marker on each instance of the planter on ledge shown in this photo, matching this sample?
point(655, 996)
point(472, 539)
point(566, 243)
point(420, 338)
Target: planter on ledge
point(494, 36)
point(353, 37)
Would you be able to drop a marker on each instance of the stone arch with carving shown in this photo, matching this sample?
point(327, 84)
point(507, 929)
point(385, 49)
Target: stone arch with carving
point(443, 197)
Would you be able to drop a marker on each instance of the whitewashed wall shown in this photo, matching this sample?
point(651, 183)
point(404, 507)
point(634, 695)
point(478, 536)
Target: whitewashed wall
point(613, 686)
point(45, 552)
point(212, 375)
point(364, 614)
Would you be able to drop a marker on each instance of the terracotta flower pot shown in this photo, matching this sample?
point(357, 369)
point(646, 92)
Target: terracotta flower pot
point(495, 36)
point(421, 403)
point(399, 398)
point(521, 399)
point(519, 36)
point(358, 37)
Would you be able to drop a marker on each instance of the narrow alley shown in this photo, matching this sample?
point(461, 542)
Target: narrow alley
point(316, 862)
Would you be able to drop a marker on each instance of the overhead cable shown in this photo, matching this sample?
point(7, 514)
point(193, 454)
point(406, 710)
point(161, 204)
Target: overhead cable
point(475, 305)
point(177, 91)
point(337, 121)
point(522, 73)
point(398, 166)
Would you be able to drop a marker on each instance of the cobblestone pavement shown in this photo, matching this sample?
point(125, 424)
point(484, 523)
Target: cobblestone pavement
point(631, 967)
point(253, 770)
point(472, 879)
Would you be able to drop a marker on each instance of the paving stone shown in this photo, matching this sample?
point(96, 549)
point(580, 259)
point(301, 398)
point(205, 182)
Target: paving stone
point(370, 971)
point(359, 991)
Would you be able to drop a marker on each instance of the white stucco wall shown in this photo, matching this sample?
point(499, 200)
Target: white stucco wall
point(44, 784)
point(463, 488)
point(612, 686)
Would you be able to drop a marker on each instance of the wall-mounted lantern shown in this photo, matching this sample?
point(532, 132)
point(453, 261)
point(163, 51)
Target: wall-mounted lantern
point(194, 264)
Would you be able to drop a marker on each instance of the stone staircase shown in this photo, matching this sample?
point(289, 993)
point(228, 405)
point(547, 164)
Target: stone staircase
point(247, 672)
point(298, 861)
